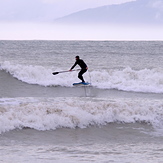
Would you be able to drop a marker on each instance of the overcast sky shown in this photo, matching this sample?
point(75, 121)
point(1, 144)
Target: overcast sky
point(32, 19)
point(46, 9)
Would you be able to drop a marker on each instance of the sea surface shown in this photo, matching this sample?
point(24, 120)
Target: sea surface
point(116, 119)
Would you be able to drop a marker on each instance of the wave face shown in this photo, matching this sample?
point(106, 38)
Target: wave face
point(53, 113)
point(126, 79)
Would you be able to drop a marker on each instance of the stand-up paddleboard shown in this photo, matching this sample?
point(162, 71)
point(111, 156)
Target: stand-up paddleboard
point(81, 83)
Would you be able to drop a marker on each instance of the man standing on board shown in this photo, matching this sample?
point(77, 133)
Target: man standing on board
point(83, 66)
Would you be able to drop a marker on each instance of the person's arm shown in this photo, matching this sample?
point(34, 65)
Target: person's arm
point(73, 66)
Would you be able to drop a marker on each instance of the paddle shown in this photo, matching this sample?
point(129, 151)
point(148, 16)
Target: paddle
point(55, 73)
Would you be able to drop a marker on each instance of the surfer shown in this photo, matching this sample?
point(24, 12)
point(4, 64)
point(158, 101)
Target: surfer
point(83, 66)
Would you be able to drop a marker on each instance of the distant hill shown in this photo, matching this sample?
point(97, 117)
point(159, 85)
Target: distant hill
point(135, 12)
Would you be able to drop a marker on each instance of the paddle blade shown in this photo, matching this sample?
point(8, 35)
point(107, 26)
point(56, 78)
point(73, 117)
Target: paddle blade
point(55, 73)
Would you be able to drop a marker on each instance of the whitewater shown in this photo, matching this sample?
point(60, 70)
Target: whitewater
point(50, 113)
point(127, 79)
point(118, 118)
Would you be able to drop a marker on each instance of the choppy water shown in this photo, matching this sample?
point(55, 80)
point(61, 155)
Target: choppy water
point(116, 119)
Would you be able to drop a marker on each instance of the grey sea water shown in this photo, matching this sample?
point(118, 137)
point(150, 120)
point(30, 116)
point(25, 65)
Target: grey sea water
point(118, 118)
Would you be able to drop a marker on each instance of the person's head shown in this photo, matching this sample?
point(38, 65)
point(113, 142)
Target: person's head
point(77, 57)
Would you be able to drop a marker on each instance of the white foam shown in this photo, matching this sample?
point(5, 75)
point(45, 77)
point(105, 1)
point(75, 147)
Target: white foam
point(53, 113)
point(145, 80)
point(127, 79)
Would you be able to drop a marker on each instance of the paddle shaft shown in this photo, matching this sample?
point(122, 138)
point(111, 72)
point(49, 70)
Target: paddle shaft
point(55, 73)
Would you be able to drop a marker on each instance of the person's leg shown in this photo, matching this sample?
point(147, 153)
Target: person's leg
point(81, 73)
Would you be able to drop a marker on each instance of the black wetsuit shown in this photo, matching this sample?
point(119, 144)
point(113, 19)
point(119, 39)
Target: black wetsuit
point(83, 66)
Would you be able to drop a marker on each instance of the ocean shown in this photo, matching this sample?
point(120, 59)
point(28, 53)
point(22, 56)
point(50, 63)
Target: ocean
point(116, 119)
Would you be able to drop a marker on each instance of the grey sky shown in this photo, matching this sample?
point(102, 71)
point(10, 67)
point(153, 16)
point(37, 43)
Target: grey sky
point(33, 19)
point(29, 10)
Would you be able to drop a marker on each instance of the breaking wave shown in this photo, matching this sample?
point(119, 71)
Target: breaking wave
point(127, 79)
point(52, 113)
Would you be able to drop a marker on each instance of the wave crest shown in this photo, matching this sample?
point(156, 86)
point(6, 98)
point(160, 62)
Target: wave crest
point(127, 79)
point(53, 113)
